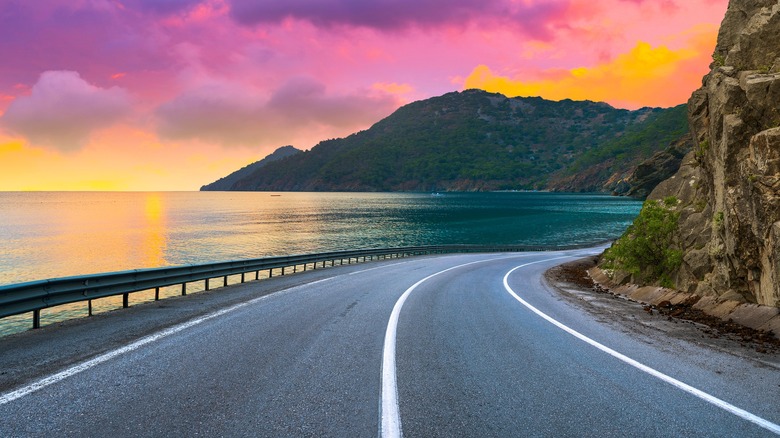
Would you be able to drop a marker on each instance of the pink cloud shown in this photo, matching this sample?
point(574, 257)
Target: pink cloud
point(227, 114)
point(96, 39)
point(208, 73)
point(63, 110)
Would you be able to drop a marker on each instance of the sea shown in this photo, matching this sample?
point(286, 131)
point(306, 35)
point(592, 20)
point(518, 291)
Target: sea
point(55, 234)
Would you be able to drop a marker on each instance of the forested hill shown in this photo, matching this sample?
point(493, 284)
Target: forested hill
point(474, 140)
point(226, 183)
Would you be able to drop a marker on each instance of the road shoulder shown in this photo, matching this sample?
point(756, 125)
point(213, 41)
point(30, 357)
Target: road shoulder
point(573, 283)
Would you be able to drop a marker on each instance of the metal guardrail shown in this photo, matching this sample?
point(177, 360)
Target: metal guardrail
point(37, 295)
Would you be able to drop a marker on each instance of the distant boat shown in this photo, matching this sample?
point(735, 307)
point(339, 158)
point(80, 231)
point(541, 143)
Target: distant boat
point(276, 195)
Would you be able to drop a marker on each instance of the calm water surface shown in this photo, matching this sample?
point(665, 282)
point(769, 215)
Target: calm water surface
point(55, 234)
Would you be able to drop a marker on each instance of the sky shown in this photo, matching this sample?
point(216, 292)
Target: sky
point(156, 95)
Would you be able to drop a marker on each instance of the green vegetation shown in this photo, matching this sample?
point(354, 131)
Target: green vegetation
point(646, 250)
point(718, 59)
point(702, 149)
point(639, 142)
point(717, 221)
point(474, 140)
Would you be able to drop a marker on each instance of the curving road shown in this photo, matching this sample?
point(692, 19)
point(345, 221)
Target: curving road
point(445, 346)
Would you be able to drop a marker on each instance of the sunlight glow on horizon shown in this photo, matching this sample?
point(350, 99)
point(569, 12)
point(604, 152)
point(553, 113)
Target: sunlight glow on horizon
point(173, 97)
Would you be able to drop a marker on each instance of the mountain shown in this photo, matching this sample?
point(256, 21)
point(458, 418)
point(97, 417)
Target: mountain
point(226, 183)
point(631, 162)
point(475, 140)
point(724, 202)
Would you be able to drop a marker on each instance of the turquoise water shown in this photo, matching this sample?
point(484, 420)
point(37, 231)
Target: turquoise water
point(55, 234)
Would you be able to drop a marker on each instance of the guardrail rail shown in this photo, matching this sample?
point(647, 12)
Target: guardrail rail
point(34, 296)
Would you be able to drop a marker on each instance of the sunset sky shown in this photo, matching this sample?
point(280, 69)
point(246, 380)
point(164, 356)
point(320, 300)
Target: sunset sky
point(173, 94)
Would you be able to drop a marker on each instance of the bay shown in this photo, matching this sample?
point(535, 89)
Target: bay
point(54, 234)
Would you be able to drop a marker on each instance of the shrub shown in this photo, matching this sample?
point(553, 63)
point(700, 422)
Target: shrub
point(646, 249)
point(702, 150)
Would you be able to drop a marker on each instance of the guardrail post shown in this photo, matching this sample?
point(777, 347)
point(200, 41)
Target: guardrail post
point(295, 269)
point(207, 284)
point(242, 277)
point(89, 307)
point(282, 270)
point(270, 272)
point(183, 289)
point(157, 294)
point(257, 275)
point(36, 319)
point(125, 300)
point(224, 284)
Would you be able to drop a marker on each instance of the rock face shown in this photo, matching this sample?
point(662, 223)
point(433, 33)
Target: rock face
point(649, 173)
point(729, 186)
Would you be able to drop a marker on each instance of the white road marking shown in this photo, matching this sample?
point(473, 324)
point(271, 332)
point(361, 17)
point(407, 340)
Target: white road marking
point(76, 369)
point(54, 378)
point(390, 416)
point(766, 424)
point(379, 267)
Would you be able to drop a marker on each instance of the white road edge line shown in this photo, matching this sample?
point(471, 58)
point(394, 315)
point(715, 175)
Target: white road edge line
point(54, 378)
point(390, 426)
point(766, 424)
point(76, 369)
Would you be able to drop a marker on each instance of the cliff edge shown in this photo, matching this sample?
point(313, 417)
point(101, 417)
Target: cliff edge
point(726, 194)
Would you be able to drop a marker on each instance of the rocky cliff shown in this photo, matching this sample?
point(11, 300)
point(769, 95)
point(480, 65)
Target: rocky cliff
point(648, 174)
point(728, 188)
point(626, 178)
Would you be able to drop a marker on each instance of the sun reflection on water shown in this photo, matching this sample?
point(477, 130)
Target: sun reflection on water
point(56, 234)
point(154, 232)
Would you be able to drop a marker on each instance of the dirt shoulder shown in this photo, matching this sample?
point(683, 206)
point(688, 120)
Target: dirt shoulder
point(680, 320)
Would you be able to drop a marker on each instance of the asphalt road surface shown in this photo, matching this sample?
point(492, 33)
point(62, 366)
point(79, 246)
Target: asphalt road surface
point(473, 345)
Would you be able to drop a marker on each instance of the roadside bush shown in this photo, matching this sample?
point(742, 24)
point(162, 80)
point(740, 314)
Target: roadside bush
point(646, 249)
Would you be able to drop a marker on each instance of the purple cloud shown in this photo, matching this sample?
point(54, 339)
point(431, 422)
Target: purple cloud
point(162, 7)
point(63, 110)
point(399, 14)
point(227, 114)
point(94, 38)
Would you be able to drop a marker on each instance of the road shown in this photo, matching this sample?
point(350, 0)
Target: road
point(446, 346)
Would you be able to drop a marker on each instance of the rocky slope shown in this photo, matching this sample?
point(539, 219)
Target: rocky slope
point(643, 178)
point(473, 141)
point(728, 188)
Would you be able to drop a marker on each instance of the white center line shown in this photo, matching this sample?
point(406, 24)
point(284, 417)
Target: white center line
point(766, 424)
point(390, 426)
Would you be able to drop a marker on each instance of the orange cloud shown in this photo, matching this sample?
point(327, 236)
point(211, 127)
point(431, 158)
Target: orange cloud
point(645, 76)
point(393, 88)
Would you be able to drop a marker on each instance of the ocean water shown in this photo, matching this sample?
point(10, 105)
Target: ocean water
point(54, 234)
